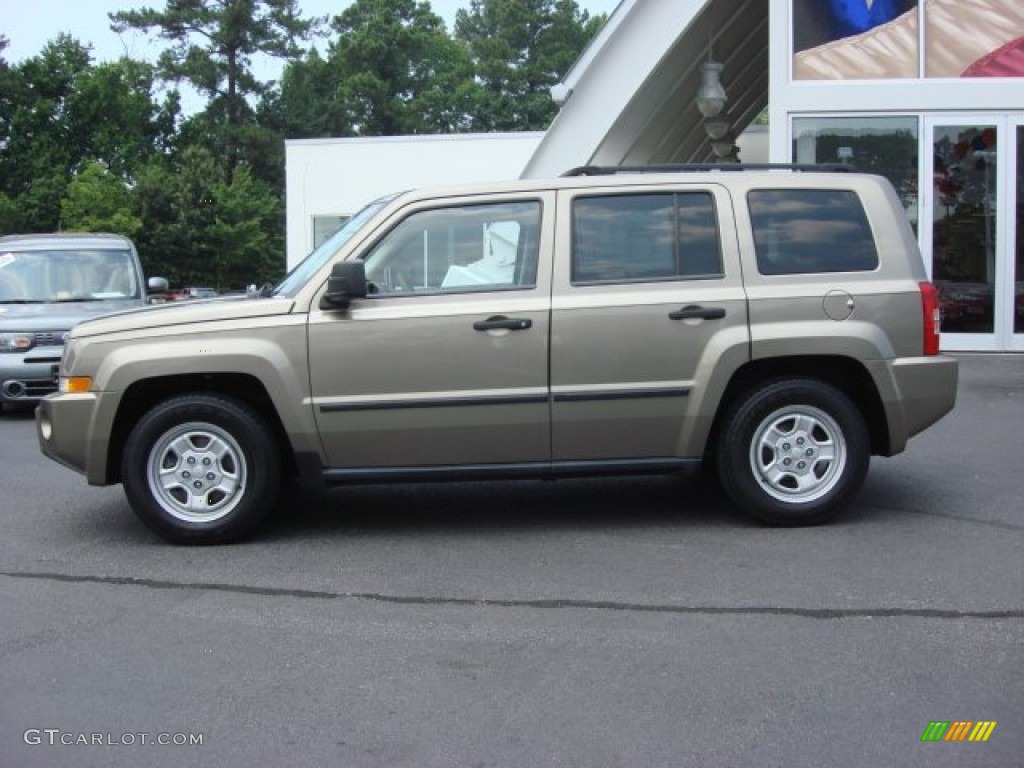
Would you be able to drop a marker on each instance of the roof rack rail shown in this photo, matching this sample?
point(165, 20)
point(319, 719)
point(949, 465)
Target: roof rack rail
point(611, 170)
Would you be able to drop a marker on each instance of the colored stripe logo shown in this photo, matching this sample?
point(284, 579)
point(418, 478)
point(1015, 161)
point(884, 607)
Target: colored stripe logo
point(959, 730)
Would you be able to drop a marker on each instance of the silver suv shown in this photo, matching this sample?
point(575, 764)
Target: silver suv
point(48, 283)
point(775, 324)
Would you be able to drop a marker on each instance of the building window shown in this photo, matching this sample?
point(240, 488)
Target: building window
point(623, 238)
point(325, 226)
point(800, 231)
point(982, 38)
point(883, 39)
point(886, 146)
point(855, 39)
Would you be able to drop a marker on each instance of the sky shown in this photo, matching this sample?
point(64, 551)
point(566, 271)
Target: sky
point(30, 24)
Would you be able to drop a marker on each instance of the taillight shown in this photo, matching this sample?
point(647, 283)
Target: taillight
point(932, 317)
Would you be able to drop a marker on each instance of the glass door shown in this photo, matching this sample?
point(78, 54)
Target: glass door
point(971, 217)
point(1015, 203)
point(960, 227)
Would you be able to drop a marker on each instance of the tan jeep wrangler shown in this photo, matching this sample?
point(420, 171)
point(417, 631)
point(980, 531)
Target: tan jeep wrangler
point(776, 324)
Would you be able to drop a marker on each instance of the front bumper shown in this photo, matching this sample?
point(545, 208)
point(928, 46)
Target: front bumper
point(64, 428)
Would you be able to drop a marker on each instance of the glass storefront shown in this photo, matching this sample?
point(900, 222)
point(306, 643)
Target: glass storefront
point(968, 208)
point(883, 145)
point(884, 39)
point(1018, 293)
point(839, 39)
point(925, 93)
point(965, 208)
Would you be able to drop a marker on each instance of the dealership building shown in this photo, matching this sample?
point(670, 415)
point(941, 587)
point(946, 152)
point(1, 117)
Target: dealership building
point(929, 94)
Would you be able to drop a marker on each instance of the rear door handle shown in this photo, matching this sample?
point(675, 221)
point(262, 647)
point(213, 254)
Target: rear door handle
point(694, 312)
point(500, 322)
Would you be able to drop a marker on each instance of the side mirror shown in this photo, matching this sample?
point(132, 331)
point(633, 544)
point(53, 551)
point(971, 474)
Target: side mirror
point(158, 285)
point(347, 282)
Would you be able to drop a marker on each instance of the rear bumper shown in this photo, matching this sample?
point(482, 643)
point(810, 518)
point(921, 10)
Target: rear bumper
point(918, 392)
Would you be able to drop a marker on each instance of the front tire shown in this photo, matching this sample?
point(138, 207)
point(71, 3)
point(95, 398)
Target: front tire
point(201, 469)
point(794, 452)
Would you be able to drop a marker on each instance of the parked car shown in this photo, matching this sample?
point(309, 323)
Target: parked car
point(48, 283)
point(189, 293)
point(777, 326)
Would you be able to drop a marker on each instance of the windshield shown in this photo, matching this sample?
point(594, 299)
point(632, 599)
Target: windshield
point(83, 274)
point(309, 266)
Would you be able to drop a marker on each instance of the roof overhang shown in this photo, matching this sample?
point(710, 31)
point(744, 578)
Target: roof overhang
point(629, 100)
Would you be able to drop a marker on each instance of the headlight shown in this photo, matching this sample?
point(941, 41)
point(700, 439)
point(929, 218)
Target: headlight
point(17, 342)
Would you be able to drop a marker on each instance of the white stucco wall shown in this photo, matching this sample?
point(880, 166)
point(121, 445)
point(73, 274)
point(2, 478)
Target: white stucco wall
point(334, 177)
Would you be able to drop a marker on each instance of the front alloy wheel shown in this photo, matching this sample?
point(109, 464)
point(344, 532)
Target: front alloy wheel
point(201, 469)
point(197, 472)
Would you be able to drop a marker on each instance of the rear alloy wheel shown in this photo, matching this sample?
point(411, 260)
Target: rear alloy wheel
point(201, 469)
point(794, 452)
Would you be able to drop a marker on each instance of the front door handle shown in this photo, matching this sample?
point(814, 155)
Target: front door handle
point(693, 312)
point(502, 323)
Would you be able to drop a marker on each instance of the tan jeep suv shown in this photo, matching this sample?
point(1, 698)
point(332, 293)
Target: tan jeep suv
point(775, 324)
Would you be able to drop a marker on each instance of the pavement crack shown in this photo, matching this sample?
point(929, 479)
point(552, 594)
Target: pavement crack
point(552, 603)
point(546, 604)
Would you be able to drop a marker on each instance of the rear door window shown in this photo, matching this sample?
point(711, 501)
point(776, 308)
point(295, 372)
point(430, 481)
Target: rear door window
point(645, 237)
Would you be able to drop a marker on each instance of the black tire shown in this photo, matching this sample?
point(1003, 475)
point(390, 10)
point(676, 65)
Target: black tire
point(220, 465)
point(793, 452)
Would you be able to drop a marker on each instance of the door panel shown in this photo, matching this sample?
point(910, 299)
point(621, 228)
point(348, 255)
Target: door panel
point(405, 377)
point(645, 284)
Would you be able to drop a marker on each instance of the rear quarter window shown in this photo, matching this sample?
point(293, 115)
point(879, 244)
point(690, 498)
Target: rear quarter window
point(801, 231)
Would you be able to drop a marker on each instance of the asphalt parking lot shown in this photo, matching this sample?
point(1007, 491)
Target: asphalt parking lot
point(618, 622)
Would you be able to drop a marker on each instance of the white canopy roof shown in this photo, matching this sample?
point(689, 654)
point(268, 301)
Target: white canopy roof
point(629, 100)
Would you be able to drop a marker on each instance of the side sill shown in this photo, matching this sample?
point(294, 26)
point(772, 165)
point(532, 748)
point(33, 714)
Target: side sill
point(525, 470)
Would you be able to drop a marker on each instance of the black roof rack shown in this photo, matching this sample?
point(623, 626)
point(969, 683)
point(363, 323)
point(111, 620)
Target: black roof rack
point(611, 170)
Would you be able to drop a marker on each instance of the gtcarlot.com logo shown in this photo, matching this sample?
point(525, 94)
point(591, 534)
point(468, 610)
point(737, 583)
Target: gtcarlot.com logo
point(958, 730)
point(55, 736)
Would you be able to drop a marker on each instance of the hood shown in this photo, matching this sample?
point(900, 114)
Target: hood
point(57, 316)
point(184, 313)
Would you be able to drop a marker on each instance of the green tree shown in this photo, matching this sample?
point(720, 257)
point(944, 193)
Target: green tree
point(212, 44)
point(9, 218)
point(199, 229)
point(393, 70)
point(98, 201)
point(520, 49)
point(115, 115)
point(36, 150)
point(245, 233)
point(8, 84)
point(307, 104)
point(59, 110)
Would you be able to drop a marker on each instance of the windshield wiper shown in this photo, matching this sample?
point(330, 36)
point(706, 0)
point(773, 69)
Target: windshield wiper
point(22, 301)
point(75, 300)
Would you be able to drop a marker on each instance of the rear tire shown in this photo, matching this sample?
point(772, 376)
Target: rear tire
point(201, 469)
point(793, 452)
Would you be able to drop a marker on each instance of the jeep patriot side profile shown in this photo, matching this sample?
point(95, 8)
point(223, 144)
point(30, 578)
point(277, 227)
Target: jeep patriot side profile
point(777, 325)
